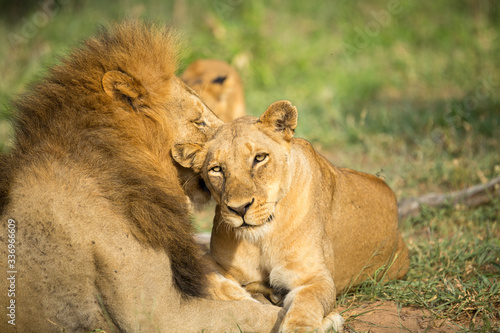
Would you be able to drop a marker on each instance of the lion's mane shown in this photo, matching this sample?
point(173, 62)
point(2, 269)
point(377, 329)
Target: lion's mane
point(68, 116)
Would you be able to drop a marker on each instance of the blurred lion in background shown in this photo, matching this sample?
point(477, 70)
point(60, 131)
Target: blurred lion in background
point(102, 234)
point(219, 86)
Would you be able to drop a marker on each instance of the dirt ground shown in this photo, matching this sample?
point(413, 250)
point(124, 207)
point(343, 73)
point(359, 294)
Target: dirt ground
point(385, 317)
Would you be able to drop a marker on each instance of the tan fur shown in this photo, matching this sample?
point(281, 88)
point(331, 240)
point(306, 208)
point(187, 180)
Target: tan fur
point(288, 218)
point(103, 237)
point(219, 86)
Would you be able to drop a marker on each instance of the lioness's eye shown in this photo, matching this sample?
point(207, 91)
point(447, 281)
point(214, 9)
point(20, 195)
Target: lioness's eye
point(216, 169)
point(259, 158)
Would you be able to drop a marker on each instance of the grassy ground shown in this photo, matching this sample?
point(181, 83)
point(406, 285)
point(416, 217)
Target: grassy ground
point(454, 269)
point(406, 88)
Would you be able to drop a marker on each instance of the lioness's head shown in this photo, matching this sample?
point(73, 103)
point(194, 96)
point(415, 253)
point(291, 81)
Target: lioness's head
point(246, 166)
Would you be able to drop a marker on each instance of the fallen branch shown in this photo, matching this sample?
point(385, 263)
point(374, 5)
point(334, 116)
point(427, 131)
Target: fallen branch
point(473, 196)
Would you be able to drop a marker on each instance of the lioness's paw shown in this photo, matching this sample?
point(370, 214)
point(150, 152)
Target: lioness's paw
point(221, 288)
point(333, 323)
point(306, 329)
point(300, 325)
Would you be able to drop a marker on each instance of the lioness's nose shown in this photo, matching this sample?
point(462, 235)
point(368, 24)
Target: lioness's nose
point(241, 210)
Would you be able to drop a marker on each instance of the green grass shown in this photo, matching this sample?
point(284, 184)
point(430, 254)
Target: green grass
point(415, 95)
point(411, 93)
point(454, 272)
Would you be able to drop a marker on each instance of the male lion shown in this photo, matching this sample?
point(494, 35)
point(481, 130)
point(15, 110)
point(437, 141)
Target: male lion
point(288, 218)
point(99, 230)
point(219, 86)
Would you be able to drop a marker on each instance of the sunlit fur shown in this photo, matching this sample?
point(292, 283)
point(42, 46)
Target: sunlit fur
point(328, 222)
point(252, 234)
point(104, 237)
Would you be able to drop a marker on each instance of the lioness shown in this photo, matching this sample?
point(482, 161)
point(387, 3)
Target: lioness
point(219, 86)
point(288, 218)
point(99, 227)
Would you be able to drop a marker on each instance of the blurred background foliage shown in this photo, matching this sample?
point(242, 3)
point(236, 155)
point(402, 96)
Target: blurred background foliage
point(403, 88)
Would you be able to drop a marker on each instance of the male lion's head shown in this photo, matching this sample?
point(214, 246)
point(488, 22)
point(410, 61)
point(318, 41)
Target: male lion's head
point(122, 80)
point(246, 166)
point(118, 94)
point(139, 63)
point(114, 108)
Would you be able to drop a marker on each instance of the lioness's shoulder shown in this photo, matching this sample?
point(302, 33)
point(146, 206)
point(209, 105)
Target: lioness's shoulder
point(306, 149)
point(369, 181)
point(304, 146)
point(358, 174)
point(360, 178)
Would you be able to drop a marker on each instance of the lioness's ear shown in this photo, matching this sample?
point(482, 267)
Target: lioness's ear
point(189, 155)
point(281, 117)
point(121, 86)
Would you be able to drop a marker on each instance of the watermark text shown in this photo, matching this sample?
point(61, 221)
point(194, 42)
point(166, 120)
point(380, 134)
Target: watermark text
point(11, 271)
point(31, 24)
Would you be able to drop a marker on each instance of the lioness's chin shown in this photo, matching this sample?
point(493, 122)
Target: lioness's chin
point(253, 233)
point(248, 228)
point(249, 221)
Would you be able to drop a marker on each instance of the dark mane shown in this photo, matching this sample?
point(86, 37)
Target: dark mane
point(68, 117)
point(72, 91)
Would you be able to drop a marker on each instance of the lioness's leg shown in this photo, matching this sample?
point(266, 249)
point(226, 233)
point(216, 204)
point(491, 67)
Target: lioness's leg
point(308, 304)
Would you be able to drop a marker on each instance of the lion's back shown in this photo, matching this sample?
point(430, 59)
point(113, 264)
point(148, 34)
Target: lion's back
point(361, 224)
point(366, 209)
point(51, 249)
